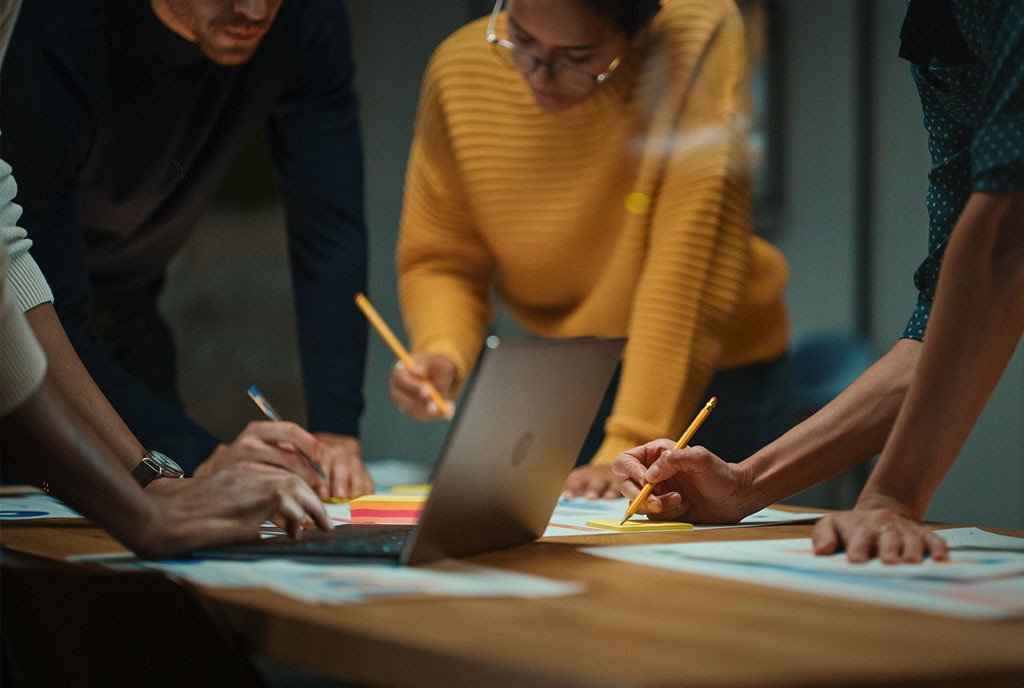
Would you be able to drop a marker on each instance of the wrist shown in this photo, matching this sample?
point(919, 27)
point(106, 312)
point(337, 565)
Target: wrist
point(450, 355)
point(154, 466)
point(872, 498)
point(760, 484)
point(145, 534)
point(164, 488)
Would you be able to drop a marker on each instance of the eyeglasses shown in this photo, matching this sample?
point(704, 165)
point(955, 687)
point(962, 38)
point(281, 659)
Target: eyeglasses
point(527, 62)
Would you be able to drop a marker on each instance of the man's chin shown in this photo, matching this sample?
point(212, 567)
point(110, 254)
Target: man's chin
point(229, 55)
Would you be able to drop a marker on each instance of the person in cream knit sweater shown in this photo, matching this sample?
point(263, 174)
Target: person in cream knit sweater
point(584, 162)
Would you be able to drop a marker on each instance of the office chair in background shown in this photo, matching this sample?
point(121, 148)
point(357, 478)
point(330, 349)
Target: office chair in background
point(823, 364)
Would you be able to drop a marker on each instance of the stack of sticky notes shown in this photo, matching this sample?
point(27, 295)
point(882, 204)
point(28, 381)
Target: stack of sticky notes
point(638, 525)
point(387, 508)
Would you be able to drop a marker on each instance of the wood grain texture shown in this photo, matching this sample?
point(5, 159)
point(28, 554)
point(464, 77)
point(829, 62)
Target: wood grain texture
point(634, 626)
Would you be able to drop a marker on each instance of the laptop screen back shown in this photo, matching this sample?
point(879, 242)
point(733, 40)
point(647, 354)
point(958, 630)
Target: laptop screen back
point(515, 440)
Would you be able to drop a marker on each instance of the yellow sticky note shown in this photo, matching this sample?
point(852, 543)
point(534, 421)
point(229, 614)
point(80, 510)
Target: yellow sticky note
point(638, 526)
point(336, 500)
point(410, 489)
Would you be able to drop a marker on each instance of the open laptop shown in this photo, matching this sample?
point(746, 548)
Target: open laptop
point(512, 444)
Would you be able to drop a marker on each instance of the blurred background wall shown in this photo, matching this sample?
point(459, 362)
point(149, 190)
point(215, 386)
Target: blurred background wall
point(849, 215)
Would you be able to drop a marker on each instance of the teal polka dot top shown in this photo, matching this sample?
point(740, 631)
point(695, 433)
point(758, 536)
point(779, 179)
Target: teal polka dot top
point(968, 63)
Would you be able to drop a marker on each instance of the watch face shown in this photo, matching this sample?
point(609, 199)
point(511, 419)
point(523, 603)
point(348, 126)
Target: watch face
point(168, 467)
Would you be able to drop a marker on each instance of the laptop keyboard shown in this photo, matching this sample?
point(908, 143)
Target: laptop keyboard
point(358, 540)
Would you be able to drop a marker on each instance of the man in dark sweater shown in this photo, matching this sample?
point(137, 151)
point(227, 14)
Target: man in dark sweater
point(121, 117)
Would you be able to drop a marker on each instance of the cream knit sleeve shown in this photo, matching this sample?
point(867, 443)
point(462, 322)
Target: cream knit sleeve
point(22, 363)
point(24, 279)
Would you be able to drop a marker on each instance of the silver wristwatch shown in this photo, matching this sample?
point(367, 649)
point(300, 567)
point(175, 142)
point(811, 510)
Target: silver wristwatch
point(156, 465)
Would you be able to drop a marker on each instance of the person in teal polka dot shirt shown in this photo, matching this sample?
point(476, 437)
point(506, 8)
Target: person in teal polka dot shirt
point(918, 403)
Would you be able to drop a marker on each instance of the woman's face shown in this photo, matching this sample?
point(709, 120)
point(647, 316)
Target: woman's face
point(569, 43)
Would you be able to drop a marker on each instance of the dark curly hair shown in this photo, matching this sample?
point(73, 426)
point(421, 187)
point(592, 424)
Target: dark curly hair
point(628, 16)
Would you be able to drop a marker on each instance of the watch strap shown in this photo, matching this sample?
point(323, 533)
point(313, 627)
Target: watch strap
point(154, 465)
point(146, 472)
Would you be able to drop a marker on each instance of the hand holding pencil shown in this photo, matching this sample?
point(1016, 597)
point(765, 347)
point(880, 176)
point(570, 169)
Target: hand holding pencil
point(419, 382)
point(633, 464)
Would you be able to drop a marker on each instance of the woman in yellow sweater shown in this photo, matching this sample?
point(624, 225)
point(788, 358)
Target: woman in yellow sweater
point(584, 161)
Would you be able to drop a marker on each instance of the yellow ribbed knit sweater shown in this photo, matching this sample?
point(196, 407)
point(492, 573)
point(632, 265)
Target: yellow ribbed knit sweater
point(625, 215)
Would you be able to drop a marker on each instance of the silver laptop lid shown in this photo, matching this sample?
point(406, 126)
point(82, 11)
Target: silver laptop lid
point(512, 444)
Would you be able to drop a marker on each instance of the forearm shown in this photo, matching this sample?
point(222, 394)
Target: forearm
point(77, 386)
point(444, 266)
point(445, 315)
point(126, 416)
point(976, 323)
point(444, 272)
point(50, 443)
point(107, 395)
point(849, 430)
point(332, 344)
point(157, 424)
point(317, 153)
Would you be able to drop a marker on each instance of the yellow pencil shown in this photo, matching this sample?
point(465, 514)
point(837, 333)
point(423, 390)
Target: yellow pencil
point(683, 439)
point(392, 341)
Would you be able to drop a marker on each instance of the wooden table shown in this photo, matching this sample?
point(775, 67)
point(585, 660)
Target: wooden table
point(634, 626)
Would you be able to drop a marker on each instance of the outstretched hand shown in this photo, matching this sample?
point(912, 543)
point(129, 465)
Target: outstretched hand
point(342, 461)
point(689, 484)
point(878, 527)
point(593, 482)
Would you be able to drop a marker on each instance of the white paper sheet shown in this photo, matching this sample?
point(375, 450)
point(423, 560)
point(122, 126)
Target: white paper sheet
point(571, 516)
point(992, 593)
point(350, 583)
point(964, 565)
point(33, 506)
